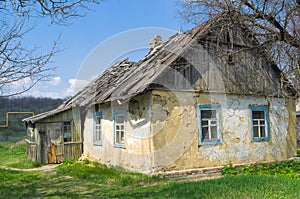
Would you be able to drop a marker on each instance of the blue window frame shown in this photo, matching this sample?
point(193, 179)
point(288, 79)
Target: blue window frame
point(260, 125)
point(209, 124)
point(119, 117)
point(97, 138)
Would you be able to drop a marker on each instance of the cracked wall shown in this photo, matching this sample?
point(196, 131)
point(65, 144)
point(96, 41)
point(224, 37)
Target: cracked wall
point(174, 125)
point(162, 132)
point(136, 154)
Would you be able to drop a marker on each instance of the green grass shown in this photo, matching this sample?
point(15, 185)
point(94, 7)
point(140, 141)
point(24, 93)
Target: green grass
point(14, 155)
point(88, 179)
point(98, 173)
point(46, 185)
point(226, 187)
point(298, 152)
point(287, 169)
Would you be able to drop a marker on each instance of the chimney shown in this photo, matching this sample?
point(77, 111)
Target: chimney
point(155, 42)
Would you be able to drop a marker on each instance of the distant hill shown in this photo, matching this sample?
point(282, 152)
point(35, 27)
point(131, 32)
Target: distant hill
point(16, 129)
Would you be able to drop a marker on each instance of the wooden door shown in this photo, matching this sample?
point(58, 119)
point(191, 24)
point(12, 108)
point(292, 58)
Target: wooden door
point(55, 149)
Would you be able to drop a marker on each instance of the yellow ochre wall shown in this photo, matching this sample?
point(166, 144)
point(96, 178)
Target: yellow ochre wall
point(174, 128)
point(161, 132)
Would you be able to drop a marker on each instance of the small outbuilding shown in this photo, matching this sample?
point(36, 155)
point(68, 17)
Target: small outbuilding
point(202, 98)
point(54, 136)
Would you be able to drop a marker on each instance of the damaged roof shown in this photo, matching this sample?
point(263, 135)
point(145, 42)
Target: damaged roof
point(170, 66)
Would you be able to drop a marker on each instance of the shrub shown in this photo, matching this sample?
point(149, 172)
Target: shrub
point(36, 164)
point(286, 168)
point(68, 161)
point(229, 170)
point(86, 161)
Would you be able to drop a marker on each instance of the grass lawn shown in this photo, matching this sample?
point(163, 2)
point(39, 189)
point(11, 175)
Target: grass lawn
point(25, 184)
point(14, 155)
point(93, 180)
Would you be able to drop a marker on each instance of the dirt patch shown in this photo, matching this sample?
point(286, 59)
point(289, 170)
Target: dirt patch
point(47, 167)
point(18, 143)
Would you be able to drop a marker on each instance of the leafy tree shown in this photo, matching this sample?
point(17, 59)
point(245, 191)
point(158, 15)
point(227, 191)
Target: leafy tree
point(273, 23)
point(19, 64)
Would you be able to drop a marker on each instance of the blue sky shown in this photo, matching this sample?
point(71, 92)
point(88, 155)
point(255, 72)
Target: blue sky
point(111, 26)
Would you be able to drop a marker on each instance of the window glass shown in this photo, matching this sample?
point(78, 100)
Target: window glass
point(259, 123)
point(258, 114)
point(119, 133)
point(97, 128)
point(119, 119)
point(209, 124)
point(67, 132)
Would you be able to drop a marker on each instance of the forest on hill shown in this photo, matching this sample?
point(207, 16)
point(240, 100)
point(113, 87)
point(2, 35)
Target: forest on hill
point(16, 128)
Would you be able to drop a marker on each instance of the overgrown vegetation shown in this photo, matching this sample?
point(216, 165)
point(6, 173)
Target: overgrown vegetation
point(87, 179)
point(286, 168)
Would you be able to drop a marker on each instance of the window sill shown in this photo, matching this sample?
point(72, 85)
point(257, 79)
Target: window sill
point(210, 142)
point(260, 139)
point(97, 143)
point(122, 146)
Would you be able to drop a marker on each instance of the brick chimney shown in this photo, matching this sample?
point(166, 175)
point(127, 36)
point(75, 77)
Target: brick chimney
point(155, 41)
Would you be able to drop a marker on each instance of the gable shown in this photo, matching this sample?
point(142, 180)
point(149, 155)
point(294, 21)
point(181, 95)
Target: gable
point(207, 58)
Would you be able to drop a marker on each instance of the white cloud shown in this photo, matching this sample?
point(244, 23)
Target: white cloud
point(22, 83)
point(55, 88)
point(55, 81)
point(38, 93)
point(27, 82)
point(75, 85)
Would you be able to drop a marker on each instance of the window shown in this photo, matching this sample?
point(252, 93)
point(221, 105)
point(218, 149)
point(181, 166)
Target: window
point(67, 132)
point(209, 124)
point(97, 128)
point(119, 128)
point(260, 123)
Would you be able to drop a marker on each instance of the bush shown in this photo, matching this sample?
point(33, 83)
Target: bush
point(286, 168)
point(229, 170)
point(86, 161)
point(68, 161)
point(36, 164)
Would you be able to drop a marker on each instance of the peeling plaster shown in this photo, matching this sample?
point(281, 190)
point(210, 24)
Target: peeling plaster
point(162, 132)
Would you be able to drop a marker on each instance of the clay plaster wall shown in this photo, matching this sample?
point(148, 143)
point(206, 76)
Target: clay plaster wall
point(174, 126)
point(136, 154)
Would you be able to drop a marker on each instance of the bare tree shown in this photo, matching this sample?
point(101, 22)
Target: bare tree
point(22, 67)
point(275, 24)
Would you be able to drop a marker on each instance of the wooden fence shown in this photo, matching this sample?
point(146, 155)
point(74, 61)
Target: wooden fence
point(72, 150)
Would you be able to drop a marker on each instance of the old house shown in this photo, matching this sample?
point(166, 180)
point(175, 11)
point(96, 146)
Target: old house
point(202, 98)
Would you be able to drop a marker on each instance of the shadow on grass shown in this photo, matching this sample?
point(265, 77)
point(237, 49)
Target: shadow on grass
point(39, 184)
